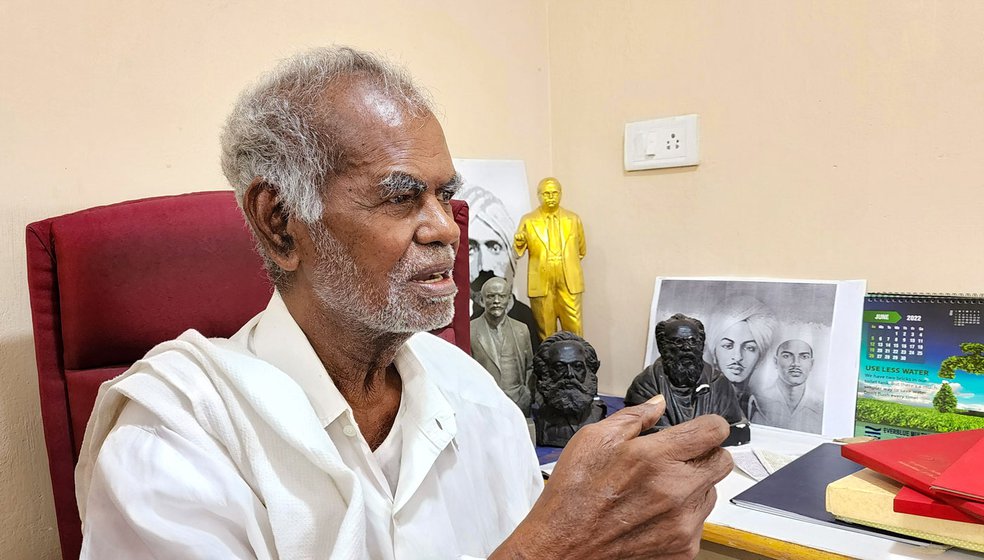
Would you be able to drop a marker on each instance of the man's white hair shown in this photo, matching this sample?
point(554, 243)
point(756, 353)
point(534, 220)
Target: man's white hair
point(285, 130)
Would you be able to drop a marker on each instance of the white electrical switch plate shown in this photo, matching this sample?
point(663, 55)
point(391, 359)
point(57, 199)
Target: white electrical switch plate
point(659, 143)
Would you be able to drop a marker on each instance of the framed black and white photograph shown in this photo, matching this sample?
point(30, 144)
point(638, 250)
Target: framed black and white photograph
point(788, 347)
point(497, 195)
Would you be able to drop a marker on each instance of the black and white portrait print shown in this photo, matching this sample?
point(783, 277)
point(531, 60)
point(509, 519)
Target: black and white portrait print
point(771, 339)
point(497, 195)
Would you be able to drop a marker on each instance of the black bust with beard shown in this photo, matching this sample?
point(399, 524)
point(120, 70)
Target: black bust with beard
point(682, 353)
point(566, 370)
point(690, 385)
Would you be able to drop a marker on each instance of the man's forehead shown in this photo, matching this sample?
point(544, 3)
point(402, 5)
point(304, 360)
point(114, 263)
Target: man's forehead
point(384, 108)
point(357, 96)
point(369, 120)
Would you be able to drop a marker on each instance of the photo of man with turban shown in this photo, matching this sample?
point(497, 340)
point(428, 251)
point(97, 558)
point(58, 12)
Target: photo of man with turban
point(490, 230)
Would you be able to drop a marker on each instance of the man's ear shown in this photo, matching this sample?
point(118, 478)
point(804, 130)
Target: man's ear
point(271, 223)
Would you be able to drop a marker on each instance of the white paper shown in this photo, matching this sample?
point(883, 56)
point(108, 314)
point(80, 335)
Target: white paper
point(824, 313)
point(747, 462)
point(498, 195)
point(770, 460)
point(839, 541)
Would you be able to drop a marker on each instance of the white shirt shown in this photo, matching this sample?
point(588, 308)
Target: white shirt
point(454, 477)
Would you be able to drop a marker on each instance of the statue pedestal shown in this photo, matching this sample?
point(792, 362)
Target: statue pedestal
point(741, 433)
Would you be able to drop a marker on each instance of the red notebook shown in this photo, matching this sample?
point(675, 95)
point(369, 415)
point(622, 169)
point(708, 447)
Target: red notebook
point(917, 461)
point(963, 478)
point(916, 503)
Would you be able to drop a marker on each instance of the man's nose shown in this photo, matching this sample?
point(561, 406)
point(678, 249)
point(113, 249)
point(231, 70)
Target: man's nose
point(437, 225)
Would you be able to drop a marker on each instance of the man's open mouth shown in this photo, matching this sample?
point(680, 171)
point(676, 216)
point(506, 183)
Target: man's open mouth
point(432, 275)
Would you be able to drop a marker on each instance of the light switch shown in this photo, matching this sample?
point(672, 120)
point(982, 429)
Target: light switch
point(660, 143)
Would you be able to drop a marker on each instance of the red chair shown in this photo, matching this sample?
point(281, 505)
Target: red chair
point(109, 283)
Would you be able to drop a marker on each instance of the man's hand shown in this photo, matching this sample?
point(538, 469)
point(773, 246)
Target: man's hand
point(614, 494)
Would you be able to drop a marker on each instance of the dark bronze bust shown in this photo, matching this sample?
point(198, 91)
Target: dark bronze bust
point(566, 370)
point(690, 385)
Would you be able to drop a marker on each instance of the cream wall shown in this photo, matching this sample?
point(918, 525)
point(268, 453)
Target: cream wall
point(103, 101)
point(839, 139)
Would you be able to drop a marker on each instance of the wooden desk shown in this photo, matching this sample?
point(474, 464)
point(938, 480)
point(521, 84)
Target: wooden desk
point(779, 537)
point(765, 546)
point(783, 538)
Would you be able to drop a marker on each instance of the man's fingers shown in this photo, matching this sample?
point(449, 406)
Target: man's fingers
point(630, 422)
point(717, 463)
point(692, 439)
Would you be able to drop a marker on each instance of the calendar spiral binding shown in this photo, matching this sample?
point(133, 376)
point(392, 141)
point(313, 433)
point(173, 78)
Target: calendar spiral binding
point(926, 297)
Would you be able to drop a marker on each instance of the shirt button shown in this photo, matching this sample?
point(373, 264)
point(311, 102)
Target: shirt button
point(349, 430)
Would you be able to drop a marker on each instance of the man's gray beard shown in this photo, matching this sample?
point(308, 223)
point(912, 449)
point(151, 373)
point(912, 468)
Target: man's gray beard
point(339, 288)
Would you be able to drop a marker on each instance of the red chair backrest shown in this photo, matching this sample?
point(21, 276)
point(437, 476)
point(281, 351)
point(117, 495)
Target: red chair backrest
point(109, 283)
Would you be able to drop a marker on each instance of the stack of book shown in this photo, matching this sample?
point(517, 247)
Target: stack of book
point(930, 487)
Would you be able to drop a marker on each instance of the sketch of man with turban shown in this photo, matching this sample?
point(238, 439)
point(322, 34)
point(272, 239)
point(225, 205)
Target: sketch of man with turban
point(739, 334)
point(490, 229)
point(490, 237)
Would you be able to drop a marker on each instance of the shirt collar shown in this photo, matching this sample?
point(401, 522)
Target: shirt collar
point(426, 405)
point(277, 339)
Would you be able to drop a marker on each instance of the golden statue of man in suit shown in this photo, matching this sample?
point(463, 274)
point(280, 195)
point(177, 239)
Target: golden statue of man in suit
point(555, 239)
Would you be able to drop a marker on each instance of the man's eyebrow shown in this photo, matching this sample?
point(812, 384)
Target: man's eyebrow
point(453, 185)
point(400, 183)
point(456, 182)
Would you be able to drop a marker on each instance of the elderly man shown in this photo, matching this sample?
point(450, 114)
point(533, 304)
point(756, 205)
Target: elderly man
point(330, 426)
point(788, 404)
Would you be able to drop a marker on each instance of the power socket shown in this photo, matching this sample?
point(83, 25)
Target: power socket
point(661, 143)
point(666, 142)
